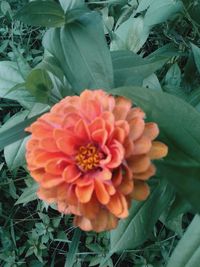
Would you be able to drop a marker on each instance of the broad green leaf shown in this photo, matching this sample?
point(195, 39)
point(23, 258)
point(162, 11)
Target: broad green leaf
point(11, 84)
point(61, 86)
point(187, 252)
point(70, 4)
point(82, 52)
point(179, 207)
point(173, 76)
point(185, 179)
point(180, 130)
point(135, 229)
point(23, 66)
point(152, 82)
point(42, 13)
point(131, 69)
point(130, 35)
point(190, 71)
point(9, 76)
point(28, 195)
point(39, 85)
point(15, 153)
point(143, 5)
point(196, 54)
point(160, 11)
point(194, 99)
point(9, 135)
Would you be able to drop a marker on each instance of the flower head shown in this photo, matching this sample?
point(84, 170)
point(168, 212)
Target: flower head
point(91, 155)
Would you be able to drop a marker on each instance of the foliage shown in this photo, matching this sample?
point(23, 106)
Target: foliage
point(147, 50)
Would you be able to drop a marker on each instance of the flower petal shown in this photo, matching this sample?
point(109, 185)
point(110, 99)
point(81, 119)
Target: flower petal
point(71, 173)
point(84, 193)
point(145, 175)
point(81, 130)
point(100, 136)
point(136, 128)
point(158, 150)
point(151, 130)
point(56, 166)
point(50, 181)
point(141, 191)
point(101, 192)
point(142, 146)
point(139, 163)
point(48, 144)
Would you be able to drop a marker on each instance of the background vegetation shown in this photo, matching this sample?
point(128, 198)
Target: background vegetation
point(166, 35)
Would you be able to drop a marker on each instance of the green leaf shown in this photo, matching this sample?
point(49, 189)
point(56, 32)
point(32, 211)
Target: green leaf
point(130, 35)
point(196, 54)
point(180, 130)
point(15, 132)
point(131, 69)
point(160, 11)
point(186, 180)
point(9, 76)
point(82, 52)
point(61, 86)
point(39, 84)
point(73, 248)
point(187, 252)
point(179, 207)
point(68, 5)
point(12, 84)
point(15, 153)
point(193, 8)
point(42, 13)
point(28, 195)
point(135, 229)
point(173, 76)
point(152, 82)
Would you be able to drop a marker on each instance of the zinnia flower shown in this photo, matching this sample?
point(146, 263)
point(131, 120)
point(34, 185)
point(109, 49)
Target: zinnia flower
point(91, 155)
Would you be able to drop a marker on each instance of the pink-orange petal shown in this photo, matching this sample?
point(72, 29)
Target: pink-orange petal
point(83, 223)
point(100, 136)
point(135, 113)
point(158, 150)
point(117, 177)
point(56, 166)
point(126, 187)
point(84, 193)
point(151, 130)
point(41, 158)
point(122, 108)
point(47, 195)
point(117, 155)
point(136, 128)
point(145, 175)
point(50, 181)
point(97, 124)
point(48, 144)
point(68, 145)
point(90, 209)
point(142, 146)
point(139, 163)
point(71, 174)
point(101, 192)
point(141, 191)
point(81, 130)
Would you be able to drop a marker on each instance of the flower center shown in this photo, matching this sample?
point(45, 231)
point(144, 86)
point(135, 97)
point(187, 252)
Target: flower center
point(88, 157)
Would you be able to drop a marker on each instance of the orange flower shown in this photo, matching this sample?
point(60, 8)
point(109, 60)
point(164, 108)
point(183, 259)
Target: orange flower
point(91, 155)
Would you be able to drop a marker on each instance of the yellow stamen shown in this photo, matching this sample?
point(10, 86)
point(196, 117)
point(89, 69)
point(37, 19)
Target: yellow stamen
point(88, 157)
